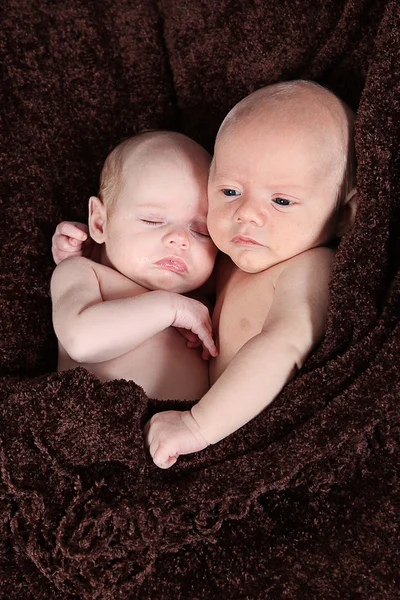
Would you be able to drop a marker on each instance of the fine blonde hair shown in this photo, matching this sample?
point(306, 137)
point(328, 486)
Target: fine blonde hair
point(111, 179)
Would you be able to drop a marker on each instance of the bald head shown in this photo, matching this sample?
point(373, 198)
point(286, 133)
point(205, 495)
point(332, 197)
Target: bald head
point(309, 108)
point(292, 96)
point(161, 148)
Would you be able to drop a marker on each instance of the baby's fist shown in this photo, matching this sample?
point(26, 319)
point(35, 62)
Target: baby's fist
point(69, 240)
point(172, 433)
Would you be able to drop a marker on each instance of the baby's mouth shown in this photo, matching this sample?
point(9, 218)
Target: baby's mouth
point(243, 240)
point(173, 263)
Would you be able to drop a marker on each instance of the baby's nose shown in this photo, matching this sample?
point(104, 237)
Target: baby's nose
point(250, 211)
point(178, 237)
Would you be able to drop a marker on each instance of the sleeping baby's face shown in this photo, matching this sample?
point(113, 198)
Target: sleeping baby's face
point(156, 232)
point(274, 183)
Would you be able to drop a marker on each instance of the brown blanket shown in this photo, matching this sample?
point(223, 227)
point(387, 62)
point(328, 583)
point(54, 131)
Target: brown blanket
point(304, 501)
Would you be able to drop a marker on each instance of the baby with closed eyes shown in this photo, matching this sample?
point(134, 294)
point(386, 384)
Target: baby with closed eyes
point(124, 314)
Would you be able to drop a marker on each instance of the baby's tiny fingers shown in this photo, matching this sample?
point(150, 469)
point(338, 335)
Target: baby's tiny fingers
point(194, 344)
point(72, 230)
point(165, 462)
point(213, 350)
point(189, 335)
point(209, 344)
point(205, 355)
point(65, 244)
point(152, 447)
point(62, 242)
point(147, 434)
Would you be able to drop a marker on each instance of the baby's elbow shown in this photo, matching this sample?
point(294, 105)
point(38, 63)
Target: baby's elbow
point(301, 349)
point(307, 336)
point(294, 357)
point(77, 353)
point(75, 346)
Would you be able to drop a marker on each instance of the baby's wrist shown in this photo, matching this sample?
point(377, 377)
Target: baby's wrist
point(171, 299)
point(194, 427)
point(164, 306)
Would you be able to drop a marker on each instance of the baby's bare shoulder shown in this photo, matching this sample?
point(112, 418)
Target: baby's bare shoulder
point(74, 265)
point(73, 272)
point(74, 268)
point(306, 275)
point(322, 254)
point(320, 258)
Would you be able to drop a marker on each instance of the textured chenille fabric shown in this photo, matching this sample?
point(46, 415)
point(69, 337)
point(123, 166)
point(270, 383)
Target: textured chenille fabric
point(303, 502)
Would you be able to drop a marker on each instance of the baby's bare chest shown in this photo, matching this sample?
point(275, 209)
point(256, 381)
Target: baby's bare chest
point(244, 307)
point(241, 309)
point(163, 365)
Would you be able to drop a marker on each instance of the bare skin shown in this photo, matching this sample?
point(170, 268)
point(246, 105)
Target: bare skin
point(155, 355)
point(126, 317)
point(273, 210)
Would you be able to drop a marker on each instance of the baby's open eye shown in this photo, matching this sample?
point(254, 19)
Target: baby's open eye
point(229, 192)
point(282, 201)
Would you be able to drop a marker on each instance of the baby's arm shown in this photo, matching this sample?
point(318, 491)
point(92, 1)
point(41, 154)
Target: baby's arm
point(92, 330)
point(294, 325)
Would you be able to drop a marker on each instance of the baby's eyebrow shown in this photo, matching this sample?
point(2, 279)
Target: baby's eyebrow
point(151, 206)
point(225, 177)
point(275, 188)
point(288, 186)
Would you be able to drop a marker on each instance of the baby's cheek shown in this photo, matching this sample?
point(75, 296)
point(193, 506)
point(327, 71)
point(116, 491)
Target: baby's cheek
point(218, 240)
point(217, 231)
point(205, 261)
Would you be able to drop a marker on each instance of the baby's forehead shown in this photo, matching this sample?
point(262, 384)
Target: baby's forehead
point(299, 120)
point(278, 138)
point(309, 133)
point(175, 160)
point(166, 177)
point(304, 105)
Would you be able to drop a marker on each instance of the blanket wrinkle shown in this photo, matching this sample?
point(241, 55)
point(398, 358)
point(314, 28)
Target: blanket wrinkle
point(303, 501)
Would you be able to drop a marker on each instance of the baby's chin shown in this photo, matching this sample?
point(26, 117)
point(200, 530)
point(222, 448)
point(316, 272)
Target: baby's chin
point(248, 269)
point(170, 282)
point(249, 263)
point(177, 289)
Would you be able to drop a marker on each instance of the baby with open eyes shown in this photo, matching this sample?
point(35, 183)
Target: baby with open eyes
point(281, 189)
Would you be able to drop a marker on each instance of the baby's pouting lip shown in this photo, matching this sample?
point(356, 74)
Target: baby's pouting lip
point(243, 240)
point(173, 263)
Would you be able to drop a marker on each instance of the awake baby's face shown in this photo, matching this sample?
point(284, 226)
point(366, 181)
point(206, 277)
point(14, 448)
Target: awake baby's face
point(273, 186)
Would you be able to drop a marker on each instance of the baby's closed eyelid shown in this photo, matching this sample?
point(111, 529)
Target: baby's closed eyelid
point(202, 234)
point(199, 229)
point(152, 221)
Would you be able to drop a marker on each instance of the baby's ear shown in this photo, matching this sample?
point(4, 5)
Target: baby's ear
point(97, 219)
point(347, 213)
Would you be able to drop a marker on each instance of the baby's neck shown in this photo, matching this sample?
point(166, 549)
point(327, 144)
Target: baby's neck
point(99, 255)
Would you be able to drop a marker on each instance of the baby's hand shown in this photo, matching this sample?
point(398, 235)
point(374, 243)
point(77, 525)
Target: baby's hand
point(193, 316)
point(68, 240)
point(170, 434)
